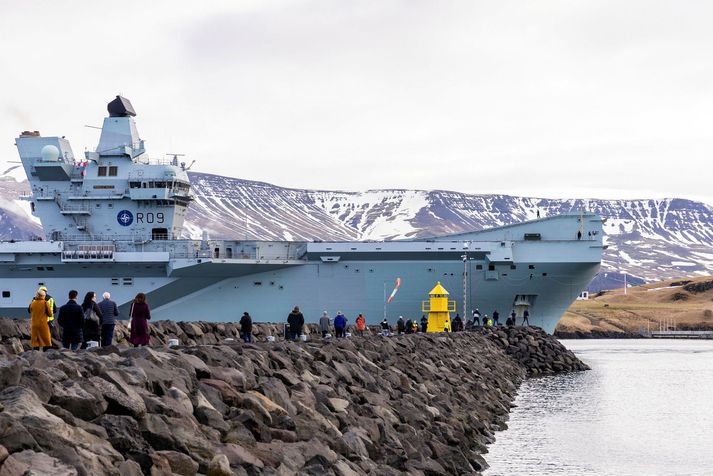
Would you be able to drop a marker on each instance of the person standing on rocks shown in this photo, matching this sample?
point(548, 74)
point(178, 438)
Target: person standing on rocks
point(487, 322)
point(92, 319)
point(513, 316)
point(409, 326)
point(324, 324)
point(496, 317)
point(109, 314)
point(340, 324)
point(424, 324)
point(360, 325)
point(40, 310)
point(526, 317)
point(140, 315)
point(400, 325)
point(476, 317)
point(457, 322)
point(53, 307)
point(414, 327)
point(295, 321)
point(246, 327)
point(71, 320)
point(385, 329)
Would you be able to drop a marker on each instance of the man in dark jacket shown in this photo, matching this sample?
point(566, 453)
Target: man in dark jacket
point(71, 319)
point(409, 326)
point(424, 324)
point(109, 314)
point(457, 323)
point(340, 325)
point(496, 318)
point(400, 325)
point(246, 327)
point(295, 320)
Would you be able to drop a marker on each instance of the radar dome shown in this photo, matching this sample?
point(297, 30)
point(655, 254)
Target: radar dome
point(50, 153)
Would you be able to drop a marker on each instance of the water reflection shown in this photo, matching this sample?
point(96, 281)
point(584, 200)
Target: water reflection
point(644, 408)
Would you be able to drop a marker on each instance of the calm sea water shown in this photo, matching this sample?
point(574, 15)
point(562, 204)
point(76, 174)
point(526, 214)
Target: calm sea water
point(645, 408)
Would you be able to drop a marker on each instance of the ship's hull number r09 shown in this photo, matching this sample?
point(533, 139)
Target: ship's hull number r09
point(150, 217)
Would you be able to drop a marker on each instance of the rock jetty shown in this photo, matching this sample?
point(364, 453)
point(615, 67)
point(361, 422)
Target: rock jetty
point(412, 404)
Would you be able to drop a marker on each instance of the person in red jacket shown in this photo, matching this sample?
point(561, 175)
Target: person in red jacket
point(360, 325)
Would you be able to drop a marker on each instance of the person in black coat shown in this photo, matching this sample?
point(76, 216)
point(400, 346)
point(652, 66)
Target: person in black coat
point(424, 323)
point(92, 327)
point(295, 322)
point(400, 325)
point(246, 327)
point(71, 319)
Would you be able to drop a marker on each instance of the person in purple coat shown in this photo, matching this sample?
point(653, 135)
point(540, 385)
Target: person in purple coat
point(140, 315)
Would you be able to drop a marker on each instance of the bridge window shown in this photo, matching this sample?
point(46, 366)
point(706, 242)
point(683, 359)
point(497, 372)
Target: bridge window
point(6, 294)
point(128, 281)
point(478, 266)
point(114, 281)
point(113, 171)
point(101, 172)
point(491, 267)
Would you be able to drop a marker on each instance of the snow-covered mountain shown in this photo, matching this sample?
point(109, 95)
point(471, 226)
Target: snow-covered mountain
point(649, 239)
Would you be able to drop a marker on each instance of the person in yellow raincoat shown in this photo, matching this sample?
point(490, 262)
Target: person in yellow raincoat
point(40, 310)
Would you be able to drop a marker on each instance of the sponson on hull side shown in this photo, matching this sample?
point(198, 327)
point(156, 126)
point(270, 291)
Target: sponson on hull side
point(113, 222)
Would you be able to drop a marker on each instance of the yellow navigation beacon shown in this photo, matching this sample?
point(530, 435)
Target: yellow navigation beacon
point(438, 308)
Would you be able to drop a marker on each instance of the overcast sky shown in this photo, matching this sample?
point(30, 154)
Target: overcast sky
point(603, 99)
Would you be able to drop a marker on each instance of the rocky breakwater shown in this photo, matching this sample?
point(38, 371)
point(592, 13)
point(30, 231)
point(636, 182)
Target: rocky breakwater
point(413, 404)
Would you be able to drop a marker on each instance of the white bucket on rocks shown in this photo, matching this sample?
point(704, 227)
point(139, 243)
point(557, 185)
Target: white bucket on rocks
point(327, 335)
point(172, 342)
point(271, 338)
point(347, 334)
point(303, 338)
point(229, 339)
point(92, 343)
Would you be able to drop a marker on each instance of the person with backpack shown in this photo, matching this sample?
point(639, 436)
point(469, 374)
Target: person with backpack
point(40, 310)
point(71, 319)
point(92, 319)
point(246, 327)
point(140, 313)
point(360, 325)
point(340, 324)
point(109, 314)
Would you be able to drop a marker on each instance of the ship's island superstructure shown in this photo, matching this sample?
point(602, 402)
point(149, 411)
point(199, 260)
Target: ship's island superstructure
point(113, 222)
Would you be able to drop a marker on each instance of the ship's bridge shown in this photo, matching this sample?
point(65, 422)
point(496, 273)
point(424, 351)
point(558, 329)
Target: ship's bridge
point(118, 190)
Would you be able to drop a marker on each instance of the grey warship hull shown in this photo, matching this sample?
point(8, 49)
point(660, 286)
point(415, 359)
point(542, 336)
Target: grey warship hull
point(111, 223)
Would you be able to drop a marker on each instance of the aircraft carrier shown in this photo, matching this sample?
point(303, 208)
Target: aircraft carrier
point(113, 221)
